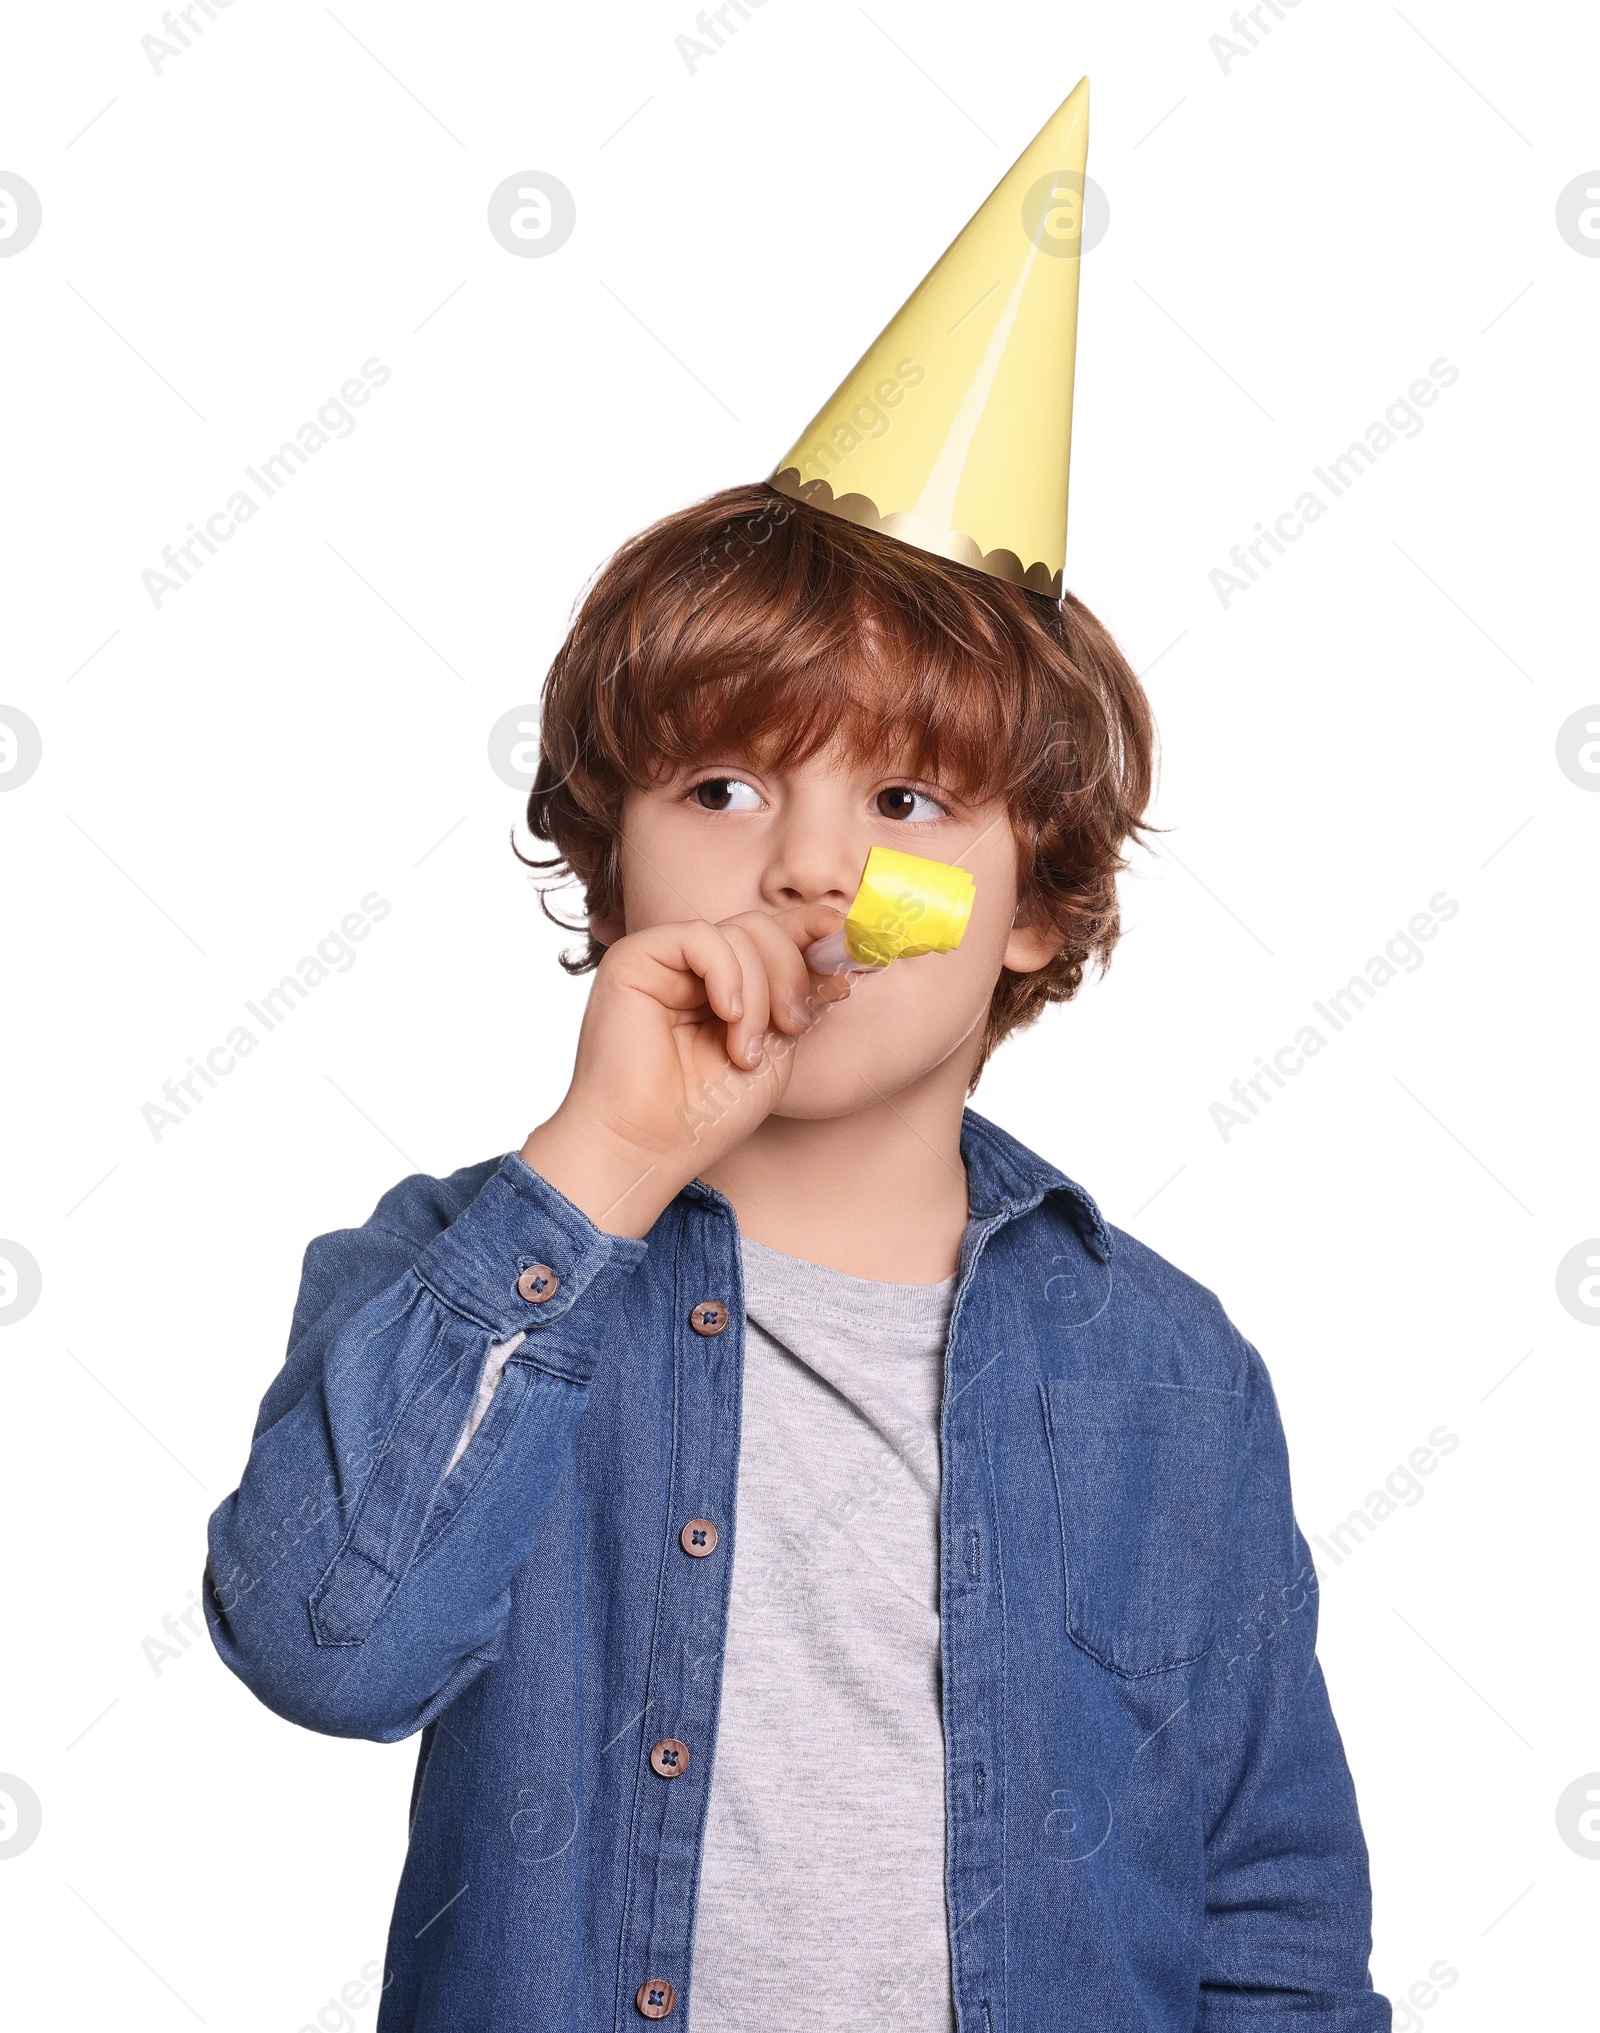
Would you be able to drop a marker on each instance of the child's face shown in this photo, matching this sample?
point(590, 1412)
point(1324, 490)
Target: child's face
point(730, 835)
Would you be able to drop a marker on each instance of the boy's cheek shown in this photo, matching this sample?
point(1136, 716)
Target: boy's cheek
point(664, 885)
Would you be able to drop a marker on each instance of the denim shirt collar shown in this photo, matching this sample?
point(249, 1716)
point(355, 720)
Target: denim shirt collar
point(1005, 1178)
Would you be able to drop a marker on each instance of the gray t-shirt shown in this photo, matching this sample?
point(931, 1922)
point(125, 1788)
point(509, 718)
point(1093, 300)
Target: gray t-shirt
point(822, 1898)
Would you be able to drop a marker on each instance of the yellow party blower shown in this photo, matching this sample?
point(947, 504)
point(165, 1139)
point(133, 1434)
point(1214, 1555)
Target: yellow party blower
point(905, 907)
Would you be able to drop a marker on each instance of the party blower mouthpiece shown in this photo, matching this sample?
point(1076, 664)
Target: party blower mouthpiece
point(905, 906)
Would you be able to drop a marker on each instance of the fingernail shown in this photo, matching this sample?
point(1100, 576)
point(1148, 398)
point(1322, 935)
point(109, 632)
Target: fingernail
point(737, 1004)
point(752, 1052)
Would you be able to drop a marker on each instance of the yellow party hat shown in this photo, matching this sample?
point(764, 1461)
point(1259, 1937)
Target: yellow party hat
point(953, 431)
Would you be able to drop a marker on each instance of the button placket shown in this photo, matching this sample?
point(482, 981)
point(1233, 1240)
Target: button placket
point(702, 1386)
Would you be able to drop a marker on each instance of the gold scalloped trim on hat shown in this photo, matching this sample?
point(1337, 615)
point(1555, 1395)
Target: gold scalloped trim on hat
point(910, 528)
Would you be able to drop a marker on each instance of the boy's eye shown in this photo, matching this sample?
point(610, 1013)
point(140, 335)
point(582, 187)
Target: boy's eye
point(726, 794)
point(899, 801)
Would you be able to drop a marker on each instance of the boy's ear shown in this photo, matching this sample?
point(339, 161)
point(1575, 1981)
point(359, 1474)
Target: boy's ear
point(1033, 943)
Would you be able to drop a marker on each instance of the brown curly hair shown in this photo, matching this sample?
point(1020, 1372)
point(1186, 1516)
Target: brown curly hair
point(757, 623)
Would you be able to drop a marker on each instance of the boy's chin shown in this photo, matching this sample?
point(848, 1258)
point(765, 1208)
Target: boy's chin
point(823, 1100)
point(828, 1084)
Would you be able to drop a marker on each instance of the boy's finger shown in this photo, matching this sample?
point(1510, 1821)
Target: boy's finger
point(804, 922)
point(745, 1035)
point(790, 1000)
point(702, 948)
point(801, 925)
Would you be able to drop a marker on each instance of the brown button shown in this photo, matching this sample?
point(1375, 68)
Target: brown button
point(709, 1317)
point(538, 1283)
point(669, 1757)
point(655, 1998)
point(698, 1537)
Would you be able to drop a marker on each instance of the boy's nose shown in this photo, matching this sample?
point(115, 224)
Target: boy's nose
point(817, 846)
point(815, 870)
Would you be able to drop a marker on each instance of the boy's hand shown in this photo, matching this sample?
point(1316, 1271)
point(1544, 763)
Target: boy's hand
point(687, 1042)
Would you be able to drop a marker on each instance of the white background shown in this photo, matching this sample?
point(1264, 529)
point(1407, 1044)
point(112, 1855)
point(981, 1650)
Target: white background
point(1293, 240)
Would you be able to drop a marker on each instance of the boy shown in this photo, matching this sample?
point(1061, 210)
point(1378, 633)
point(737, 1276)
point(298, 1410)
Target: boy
point(838, 1579)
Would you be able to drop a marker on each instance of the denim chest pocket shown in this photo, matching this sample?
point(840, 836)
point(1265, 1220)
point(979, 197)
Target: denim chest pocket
point(1144, 1477)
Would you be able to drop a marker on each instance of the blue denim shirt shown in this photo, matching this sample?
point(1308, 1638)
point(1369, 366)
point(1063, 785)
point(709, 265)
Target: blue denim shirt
point(1150, 1823)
